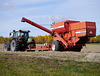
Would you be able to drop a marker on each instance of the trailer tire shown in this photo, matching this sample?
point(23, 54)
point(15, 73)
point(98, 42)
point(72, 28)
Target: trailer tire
point(6, 47)
point(55, 46)
point(15, 45)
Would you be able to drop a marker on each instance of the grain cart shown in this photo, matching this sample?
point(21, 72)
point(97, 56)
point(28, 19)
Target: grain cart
point(20, 41)
point(68, 34)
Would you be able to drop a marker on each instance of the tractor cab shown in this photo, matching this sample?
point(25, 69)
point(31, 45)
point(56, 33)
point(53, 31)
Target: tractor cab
point(20, 34)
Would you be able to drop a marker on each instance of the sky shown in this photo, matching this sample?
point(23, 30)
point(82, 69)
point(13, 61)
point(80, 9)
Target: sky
point(45, 12)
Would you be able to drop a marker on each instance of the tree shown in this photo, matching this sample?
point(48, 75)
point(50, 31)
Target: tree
point(95, 39)
point(98, 38)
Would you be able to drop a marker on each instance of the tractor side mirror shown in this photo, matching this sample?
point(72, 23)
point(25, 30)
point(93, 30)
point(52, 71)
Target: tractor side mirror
point(10, 34)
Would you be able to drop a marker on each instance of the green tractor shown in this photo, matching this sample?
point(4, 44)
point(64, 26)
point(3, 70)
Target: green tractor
point(20, 41)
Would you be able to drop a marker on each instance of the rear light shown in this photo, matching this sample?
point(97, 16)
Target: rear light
point(91, 32)
point(19, 37)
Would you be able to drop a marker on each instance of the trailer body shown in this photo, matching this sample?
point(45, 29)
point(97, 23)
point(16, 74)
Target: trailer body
point(73, 34)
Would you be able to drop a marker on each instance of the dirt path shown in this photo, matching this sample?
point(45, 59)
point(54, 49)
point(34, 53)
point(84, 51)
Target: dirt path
point(90, 53)
point(89, 48)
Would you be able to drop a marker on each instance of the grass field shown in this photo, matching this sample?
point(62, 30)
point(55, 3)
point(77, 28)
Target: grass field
point(14, 65)
point(49, 63)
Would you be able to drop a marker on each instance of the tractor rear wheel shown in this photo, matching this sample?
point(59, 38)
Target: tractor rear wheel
point(55, 46)
point(15, 45)
point(6, 47)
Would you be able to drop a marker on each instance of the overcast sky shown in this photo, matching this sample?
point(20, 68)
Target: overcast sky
point(45, 12)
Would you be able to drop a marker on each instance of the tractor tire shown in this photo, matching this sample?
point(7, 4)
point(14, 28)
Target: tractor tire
point(15, 45)
point(22, 49)
point(6, 47)
point(55, 46)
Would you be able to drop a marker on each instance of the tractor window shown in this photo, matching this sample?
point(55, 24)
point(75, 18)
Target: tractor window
point(15, 34)
point(24, 34)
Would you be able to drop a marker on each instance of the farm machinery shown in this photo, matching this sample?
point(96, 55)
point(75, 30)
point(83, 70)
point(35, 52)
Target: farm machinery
point(20, 41)
point(67, 35)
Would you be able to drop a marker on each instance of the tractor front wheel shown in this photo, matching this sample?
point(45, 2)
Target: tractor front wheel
point(6, 47)
point(55, 46)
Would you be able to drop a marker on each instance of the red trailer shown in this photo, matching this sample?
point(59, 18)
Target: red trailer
point(68, 34)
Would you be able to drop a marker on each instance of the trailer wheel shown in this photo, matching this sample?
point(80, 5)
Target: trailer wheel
point(6, 47)
point(55, 46)
point(15, 45)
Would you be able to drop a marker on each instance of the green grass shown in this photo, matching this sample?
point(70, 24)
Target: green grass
point(14, 65)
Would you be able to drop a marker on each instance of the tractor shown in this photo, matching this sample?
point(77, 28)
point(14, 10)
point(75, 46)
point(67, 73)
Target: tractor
point(20, 41)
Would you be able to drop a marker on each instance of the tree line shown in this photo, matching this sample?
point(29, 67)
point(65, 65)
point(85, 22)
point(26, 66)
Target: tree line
point(38, 39)
point(46, 39)
point(42, 39)
point(95, 39)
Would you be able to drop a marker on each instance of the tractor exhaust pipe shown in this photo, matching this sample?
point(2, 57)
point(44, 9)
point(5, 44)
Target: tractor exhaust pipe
point(37, 25)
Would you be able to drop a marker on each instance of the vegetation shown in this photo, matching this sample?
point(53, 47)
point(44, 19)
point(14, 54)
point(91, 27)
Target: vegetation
point(95, 40)
point(15, 65)
point(38, 39)
point(47, 39)
point(43, 39)
point(5, 39)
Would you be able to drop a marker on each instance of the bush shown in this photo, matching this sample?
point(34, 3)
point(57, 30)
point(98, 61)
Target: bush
point(95, 40)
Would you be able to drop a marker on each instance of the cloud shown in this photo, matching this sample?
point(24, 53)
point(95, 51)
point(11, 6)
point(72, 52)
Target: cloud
point(8, 5)
point(55, 17)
